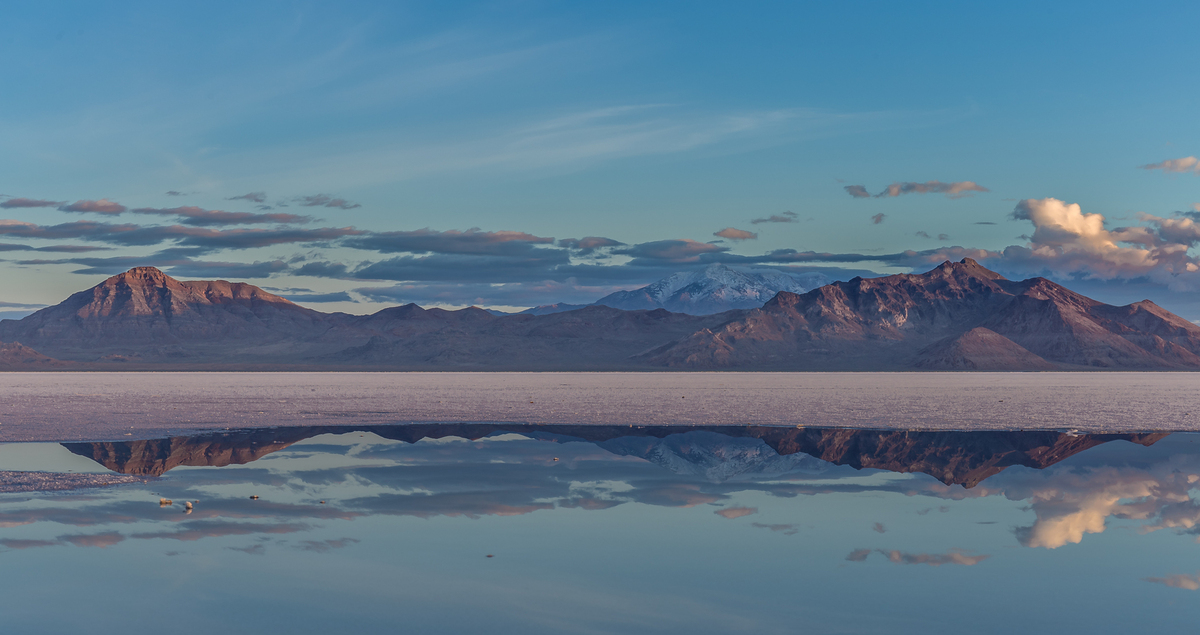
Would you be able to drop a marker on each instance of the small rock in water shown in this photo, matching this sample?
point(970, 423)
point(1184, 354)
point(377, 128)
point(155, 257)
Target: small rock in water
point(163, 502)
point(187, 506)
point(254, 497)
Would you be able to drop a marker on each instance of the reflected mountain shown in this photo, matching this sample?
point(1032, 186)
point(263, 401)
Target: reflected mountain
point(718, 453)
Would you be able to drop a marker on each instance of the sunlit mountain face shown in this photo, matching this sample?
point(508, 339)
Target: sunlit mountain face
point(769, 523)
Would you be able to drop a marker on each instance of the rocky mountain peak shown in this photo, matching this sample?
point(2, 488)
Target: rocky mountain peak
point(141, 276)
point(968, 267)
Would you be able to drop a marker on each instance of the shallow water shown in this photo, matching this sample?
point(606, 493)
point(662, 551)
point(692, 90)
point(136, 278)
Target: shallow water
point(511, 529)
point(93, 406)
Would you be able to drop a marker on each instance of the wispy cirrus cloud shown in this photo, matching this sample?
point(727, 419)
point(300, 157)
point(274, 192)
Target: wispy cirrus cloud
point(1181, 165)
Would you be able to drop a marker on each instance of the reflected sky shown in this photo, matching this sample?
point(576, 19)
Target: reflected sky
point(510, 529)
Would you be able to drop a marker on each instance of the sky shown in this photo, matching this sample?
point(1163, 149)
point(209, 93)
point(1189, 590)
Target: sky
point(357, 155)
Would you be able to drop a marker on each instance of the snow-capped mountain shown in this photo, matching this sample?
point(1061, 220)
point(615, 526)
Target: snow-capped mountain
point(715, 289)
point(714, 456)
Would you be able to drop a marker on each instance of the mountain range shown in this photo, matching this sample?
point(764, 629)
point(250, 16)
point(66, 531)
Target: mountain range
point(958, 316)
point(716, 453)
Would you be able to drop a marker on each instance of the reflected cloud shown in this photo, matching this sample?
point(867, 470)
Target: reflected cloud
point(103, 540)
point(408, 471)
point(1178, 581)
point(192, 531)
point(858, 555)
point(19, 543)
point(321, 546)
point(954, 556)
point(788, 529)
point(736, 512)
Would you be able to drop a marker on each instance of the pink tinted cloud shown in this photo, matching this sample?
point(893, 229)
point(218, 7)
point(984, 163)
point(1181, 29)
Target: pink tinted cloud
point(736, 234)
point(1178, 581)
point(736, 512)
point(933, 559)
point(196, 216)
point(957, 189)
point(102, 206)
point(28, 202)
point(1180, 165)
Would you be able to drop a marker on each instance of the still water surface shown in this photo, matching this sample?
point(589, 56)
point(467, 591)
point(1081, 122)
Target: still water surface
point(552, 529)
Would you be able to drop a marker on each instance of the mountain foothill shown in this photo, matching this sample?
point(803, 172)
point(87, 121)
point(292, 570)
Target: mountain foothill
point(959, 316)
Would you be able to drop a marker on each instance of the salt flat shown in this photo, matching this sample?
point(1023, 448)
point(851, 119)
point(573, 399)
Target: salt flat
point(100, 406)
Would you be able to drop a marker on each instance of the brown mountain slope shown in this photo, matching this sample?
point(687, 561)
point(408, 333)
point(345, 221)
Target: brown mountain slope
point(145, 314)
point(978, 349)
point(888, 323)
point(17, 356)
point(592, 338)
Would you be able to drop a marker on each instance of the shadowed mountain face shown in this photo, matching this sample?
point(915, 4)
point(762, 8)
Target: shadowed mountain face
point(959, 316)
point(718, 452)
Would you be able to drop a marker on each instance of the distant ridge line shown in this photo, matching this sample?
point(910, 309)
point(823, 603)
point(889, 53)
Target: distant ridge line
point(958, 316)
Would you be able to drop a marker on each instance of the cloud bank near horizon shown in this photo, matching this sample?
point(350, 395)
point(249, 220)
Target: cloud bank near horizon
point(494, 266)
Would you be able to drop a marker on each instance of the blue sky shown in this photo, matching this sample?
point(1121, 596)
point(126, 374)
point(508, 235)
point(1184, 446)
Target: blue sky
point(448, 153)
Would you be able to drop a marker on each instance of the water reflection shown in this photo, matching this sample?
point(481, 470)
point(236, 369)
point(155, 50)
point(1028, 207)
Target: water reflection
point(717, 452)
point(621, 513)
point(513, 478)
